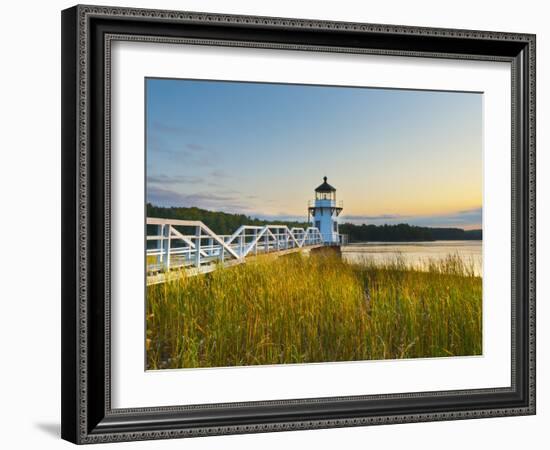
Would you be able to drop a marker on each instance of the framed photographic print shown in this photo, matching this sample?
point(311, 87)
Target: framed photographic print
point(277, 224)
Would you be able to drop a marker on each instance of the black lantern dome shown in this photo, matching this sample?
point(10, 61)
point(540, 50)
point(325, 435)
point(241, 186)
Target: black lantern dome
point(325, 187)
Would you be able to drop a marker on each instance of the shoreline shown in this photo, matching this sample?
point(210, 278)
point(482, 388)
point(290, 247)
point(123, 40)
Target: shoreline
point(438, 241)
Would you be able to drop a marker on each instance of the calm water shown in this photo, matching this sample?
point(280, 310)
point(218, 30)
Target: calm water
point(416, 254)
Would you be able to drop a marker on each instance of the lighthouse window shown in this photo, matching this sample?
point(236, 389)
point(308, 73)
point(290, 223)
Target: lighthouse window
point(325, 196)
point(335, 227)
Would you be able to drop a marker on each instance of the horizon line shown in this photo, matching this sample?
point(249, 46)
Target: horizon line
point(290, 218)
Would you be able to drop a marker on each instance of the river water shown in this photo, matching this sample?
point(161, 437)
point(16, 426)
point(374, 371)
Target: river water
point(416, 254)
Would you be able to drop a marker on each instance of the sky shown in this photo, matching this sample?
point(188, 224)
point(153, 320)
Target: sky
point(394, 156)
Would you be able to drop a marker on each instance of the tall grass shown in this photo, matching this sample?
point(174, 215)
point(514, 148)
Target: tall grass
point(298, 309)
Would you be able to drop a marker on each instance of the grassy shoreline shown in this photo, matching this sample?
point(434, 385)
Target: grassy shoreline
point(298, 309)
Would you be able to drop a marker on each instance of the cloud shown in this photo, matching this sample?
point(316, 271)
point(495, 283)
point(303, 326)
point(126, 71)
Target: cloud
point(178, 151)
point(463, 219)
point(472, 211)
point(188, 154)
point(196, 147)
point(179, 130)
point(376, 217)
point(179, 145)
point(213, 201)
point(284, 217)
point(174, 179)
point(219, 173)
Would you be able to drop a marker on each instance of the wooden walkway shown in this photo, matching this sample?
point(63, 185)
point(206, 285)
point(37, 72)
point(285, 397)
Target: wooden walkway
point(174, 274)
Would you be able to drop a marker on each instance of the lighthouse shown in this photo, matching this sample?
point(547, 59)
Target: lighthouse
point(324, 212)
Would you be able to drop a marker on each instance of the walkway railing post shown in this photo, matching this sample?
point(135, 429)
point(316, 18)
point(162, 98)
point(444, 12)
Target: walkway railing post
point(166, 246)
point(198, 247)
point(287, 238)
point(169, 246)
point(160, 244)
point(255, 241)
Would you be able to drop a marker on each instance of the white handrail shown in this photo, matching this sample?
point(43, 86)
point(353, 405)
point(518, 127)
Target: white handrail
point(174, 249)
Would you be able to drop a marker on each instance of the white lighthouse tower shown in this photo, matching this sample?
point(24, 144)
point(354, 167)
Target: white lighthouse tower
point(324, 212)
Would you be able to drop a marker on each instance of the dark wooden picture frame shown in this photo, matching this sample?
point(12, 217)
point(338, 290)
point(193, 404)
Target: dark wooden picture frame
point(87, 33)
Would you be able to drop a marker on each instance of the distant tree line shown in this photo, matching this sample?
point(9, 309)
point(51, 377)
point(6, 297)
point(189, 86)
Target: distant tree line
point(217, 221)
point(225, 223)
point(403, 232)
